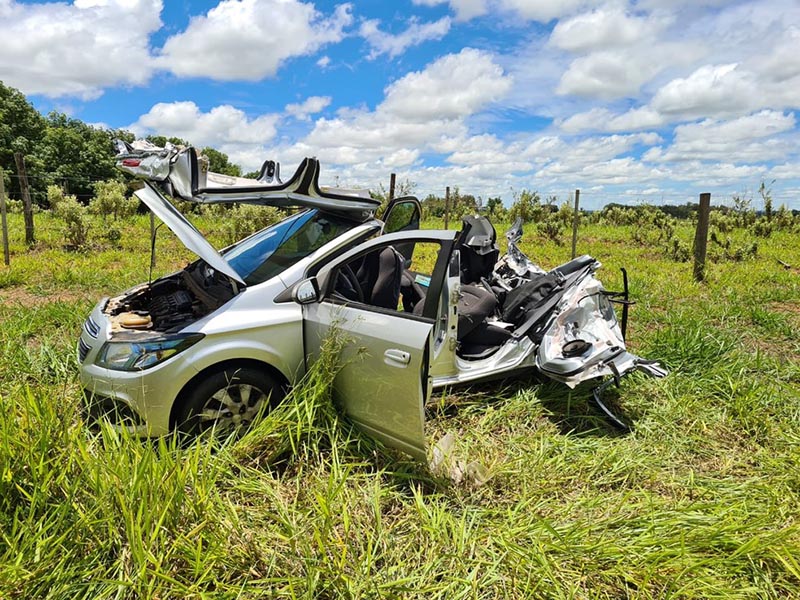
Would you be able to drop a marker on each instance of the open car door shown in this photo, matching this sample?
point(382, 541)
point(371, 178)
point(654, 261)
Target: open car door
point(384, 379)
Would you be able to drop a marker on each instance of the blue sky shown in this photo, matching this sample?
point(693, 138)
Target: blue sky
point(630, 101)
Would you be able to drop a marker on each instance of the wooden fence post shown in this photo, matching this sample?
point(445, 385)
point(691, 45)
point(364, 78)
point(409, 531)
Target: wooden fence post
point(391, 186)
point(27, 207)
point(701, 237)
point(575, 219)
point(6, 256)
point(447, 207)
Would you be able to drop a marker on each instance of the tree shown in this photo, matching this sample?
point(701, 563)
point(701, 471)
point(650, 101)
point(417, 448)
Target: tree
point(432, 206)
point(493, 204)
point(218, 162)
point(462, 204)
point(160, 140)
point(75, 155)
point(21, 130)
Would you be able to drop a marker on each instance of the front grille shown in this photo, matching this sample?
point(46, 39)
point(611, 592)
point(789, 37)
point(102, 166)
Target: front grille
point(83, 350)
point(91, 327)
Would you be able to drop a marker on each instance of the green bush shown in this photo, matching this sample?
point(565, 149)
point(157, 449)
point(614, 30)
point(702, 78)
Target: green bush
point(677, 250)
point(761, 228)
point(75, 217)
point(725, 251)
point(551, 228)
point(110, 200)
point(14, 206)
point(527, 206)
point(722, 221)
point(55, 195)
point(113, 235)
point(245, 219)
point(784, 220)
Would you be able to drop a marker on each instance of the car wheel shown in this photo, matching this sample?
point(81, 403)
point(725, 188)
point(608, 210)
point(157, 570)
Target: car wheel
point(228, 401)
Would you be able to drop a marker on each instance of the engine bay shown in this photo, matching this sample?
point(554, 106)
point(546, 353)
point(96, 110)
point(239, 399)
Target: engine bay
point(172, 302)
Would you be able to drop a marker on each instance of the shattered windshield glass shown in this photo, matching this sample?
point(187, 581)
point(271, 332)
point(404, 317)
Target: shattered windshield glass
point(276, 248)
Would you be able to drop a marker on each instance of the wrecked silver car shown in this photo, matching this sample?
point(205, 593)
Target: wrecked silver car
point(221, 340)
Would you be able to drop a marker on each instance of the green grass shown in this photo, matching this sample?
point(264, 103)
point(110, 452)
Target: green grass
point(700, 501)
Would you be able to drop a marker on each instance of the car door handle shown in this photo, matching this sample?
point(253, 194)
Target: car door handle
point(396, 357)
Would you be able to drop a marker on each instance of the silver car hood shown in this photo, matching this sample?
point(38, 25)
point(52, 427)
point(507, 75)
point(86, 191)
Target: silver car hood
point(186, 232)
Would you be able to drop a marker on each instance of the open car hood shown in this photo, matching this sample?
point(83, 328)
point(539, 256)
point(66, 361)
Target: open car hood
point(186, 232)
point(181, 173)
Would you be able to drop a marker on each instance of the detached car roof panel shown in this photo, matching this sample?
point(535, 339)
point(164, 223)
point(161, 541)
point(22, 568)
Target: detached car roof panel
point(182, 174)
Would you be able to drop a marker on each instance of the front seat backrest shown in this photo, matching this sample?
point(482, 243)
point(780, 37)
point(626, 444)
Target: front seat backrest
point(386, 290)
point(479, 251)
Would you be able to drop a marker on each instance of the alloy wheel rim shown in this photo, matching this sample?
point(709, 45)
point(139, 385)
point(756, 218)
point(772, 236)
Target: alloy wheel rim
point(232, 407)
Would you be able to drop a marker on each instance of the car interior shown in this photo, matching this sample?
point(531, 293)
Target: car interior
point(383, 279)
point(488, 314)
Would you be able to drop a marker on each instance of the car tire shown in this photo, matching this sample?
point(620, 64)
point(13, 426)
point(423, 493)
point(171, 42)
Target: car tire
point(228, 401)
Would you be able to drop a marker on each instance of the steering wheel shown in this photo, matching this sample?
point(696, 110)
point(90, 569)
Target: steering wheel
point(346, 273)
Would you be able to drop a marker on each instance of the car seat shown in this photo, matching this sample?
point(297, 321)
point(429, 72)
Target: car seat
point(385, 291)
point(478, 249)
point(372, 279)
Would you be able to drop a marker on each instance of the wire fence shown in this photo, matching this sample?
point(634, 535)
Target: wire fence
point(591, 199)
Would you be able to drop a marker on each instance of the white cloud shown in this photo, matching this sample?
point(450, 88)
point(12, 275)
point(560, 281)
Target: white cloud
point(606, 27)
point(721, 174)
point(545, 10)
point(477, 150)
point(423, 111)
point(759, 125)
point(394, 45)
point(608, 74)
point(464, 9)
point(324, 61)
point(453, 86)
point(59, 49)
point(786, 171)
point(532, 10)
point(223, 127)
point(602, 119)
point(310, 106)
point(712, 89)
point(366, 136)
point(740, 139)
point(575, 155)
point(249, 39)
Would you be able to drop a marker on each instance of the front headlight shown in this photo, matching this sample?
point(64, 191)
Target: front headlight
point(135, 356)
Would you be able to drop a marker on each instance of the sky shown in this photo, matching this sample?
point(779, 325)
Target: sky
point(629, 101)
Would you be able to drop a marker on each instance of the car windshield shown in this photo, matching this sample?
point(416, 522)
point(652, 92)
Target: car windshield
point(269, 252)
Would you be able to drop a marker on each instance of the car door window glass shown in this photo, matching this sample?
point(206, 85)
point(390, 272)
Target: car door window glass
point(403, 216)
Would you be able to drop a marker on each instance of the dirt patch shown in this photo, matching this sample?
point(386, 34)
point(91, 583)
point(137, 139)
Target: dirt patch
point(790, 308)
point(20, 295)
point(773, 348)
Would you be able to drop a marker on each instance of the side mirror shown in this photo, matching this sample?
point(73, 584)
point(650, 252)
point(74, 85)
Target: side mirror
point(306, 291)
